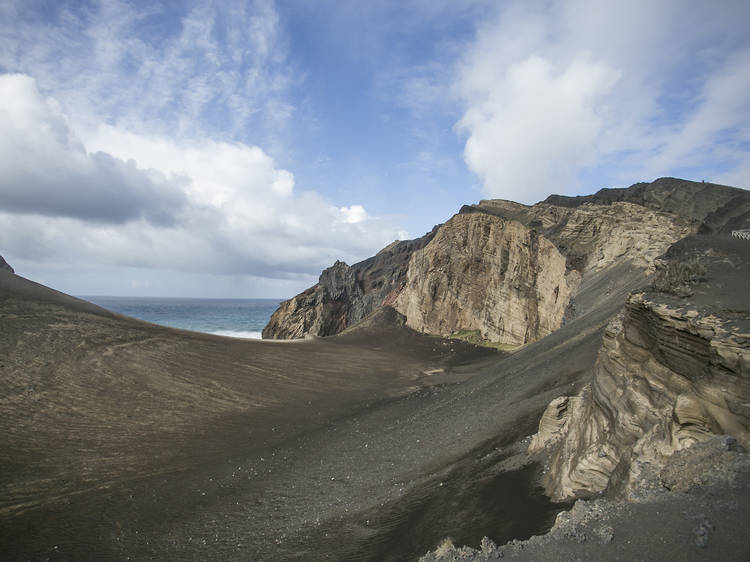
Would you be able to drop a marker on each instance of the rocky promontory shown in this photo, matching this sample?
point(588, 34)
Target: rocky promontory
point(507, 272)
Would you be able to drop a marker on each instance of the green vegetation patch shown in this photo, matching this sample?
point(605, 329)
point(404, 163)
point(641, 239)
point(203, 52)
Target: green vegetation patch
point(475, 337)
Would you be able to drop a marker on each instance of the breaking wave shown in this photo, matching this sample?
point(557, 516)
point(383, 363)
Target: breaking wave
point(238, 334)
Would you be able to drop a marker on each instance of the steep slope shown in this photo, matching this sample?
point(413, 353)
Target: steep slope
point(673, 370)
point(345, 294)
point(458, 278)
point(659, 436)
point(487, 274)
point(4, 266)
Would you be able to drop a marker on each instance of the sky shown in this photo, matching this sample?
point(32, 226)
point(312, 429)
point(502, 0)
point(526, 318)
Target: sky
point(236, 148)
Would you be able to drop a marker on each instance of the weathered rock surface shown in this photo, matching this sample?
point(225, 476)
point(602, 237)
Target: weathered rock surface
point(595, 236)
point(4, 266)
point(554, 422)
point(710, 207)
point(481, 272)
point(670, 373)
point(344, 295)
point(454, 285)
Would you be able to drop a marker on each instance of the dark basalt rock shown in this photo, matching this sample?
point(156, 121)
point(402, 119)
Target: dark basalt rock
point(4, 266)
point(345, 294)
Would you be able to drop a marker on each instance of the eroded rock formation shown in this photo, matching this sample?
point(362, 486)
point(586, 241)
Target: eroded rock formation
point(594, 236)
point(671, 372)
point(495, 268)
point(481, 272)
point(345, 294)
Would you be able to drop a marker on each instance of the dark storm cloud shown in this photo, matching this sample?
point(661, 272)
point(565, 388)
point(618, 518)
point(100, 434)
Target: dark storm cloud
point(105, 190)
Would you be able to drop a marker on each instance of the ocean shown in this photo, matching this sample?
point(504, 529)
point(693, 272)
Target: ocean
point(240, 318)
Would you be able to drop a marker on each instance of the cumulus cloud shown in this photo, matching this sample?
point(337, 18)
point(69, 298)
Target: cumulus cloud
point(634, 90)
point(535, 133)
point(111, 196)
point(45, 169)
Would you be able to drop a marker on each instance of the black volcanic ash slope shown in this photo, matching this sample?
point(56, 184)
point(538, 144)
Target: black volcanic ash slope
point(123, 439)
point(126, 439)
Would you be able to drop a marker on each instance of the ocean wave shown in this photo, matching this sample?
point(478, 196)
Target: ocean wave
point(238, 334)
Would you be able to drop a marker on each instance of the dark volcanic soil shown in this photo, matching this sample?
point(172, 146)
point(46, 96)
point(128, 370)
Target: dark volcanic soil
point(123, 439)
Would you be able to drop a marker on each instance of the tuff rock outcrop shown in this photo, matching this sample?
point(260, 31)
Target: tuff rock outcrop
point(594, 236)
point(484, 273)
point(495, 269)
point(673, 370)
point(696, 511)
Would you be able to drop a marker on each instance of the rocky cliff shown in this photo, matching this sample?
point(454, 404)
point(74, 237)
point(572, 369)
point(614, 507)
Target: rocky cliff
point(594, 236)
point(487, 274)
point(345, 294)
point(673, 370)
point(495, 269)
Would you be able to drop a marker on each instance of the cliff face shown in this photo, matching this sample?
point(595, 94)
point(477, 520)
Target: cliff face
point(594, 236)
point(345, 294)
point(481, 272)
point(711, 208)
point(673, 370)
point(499, 272)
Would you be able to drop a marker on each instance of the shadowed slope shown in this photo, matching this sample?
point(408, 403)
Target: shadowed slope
point(93, 402)
point(121, 438)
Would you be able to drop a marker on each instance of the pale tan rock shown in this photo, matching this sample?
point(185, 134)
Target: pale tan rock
point(604, 234)
point(481, 272)
point(554, 422)
point(665, 379)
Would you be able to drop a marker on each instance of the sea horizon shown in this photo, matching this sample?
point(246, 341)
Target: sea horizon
point(231, 317)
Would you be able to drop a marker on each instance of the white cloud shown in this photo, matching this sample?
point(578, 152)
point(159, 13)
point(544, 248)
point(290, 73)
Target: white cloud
point(218, 69)
point(45, 169)
point(354, 214)
point(537, 130)
point(635, 89)
point(102, 197)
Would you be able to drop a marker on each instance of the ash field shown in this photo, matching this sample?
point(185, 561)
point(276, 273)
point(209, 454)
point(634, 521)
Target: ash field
point(439, 399)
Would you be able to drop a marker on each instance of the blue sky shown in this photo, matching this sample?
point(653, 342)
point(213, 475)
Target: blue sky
point(236, 148)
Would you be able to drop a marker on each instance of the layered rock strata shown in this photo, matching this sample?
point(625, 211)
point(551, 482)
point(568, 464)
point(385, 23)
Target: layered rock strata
point(484, 273)
point(671, 372)
point(454, 278)
point(593, 236)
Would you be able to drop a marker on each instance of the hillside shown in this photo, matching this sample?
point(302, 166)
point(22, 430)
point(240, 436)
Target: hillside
point(121, 439)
